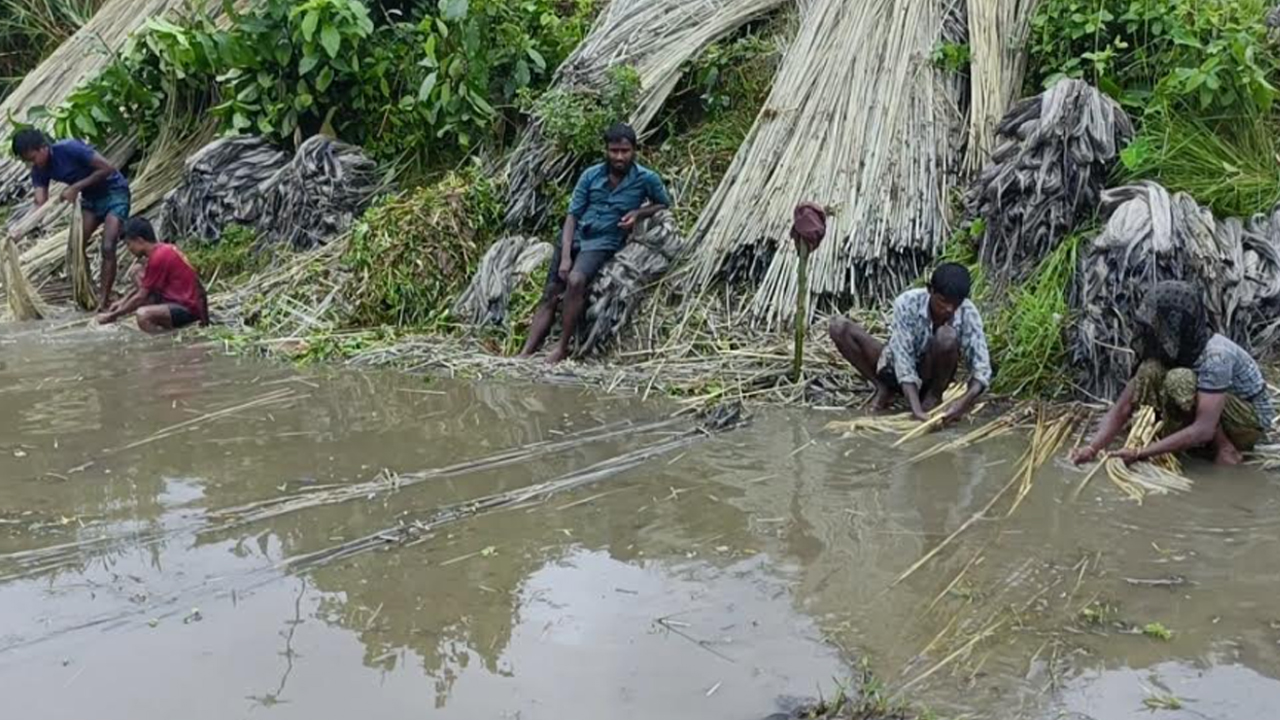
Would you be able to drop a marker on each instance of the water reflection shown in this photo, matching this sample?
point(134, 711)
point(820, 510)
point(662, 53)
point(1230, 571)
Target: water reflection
point(757, 547)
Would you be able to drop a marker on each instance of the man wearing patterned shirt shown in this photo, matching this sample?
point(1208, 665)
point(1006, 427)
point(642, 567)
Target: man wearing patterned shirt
point(932, 329)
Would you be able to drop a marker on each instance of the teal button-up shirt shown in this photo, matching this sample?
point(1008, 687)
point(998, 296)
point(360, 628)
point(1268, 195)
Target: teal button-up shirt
point(599, 208)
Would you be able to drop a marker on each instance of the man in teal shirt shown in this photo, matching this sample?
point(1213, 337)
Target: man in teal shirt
point(609, 200)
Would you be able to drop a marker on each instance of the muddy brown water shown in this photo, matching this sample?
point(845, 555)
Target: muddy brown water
point(731, 576)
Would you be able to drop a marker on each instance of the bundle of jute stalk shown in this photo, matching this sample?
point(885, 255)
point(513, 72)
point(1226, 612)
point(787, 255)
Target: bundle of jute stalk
point(857, 121)
point(903, 423)
point(1160, 475)
point(617, 293)
point(1153, 235)
point(1049, 167)
point(77, 263)
point(24, 303)
point(503, 268)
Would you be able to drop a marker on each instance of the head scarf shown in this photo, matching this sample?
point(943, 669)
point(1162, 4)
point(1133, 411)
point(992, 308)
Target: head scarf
point(1173, 325)
point(809, 225)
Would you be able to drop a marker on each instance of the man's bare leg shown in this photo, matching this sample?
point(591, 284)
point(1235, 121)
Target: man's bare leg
point(111, 227)
point(154, 319)
point(575, 302)
point(1225, 451)
point(938, 366)
point(863, 353)
point(540, 325)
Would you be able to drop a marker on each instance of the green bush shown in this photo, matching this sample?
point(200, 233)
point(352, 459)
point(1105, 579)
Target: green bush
point(233, 257)
point(406, 90)
point(413, 254)
point(1027, 334)
point(576, 118)
point(1193, 54)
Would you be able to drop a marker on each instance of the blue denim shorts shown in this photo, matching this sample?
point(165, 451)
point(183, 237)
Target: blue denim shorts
point(115, 203)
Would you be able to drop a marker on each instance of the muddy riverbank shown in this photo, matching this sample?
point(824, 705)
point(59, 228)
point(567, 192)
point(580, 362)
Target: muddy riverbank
point(728, 576)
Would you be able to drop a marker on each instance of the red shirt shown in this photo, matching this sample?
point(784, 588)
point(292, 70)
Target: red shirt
point(170, 277)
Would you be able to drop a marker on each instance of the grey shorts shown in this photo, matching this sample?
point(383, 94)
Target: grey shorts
point(588, 263)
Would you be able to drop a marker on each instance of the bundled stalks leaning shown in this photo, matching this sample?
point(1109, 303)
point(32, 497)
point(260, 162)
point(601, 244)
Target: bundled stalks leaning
point(77, 263)
point(24, 302)
point(855, 122)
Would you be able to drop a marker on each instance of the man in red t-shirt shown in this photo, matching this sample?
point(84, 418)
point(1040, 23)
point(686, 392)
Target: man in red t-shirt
point(169, 294)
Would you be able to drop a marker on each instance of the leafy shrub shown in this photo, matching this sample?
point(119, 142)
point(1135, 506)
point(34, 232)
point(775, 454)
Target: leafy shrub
point(234, 256)
point(576, 118)
point(288, 69)
point(1201, 54)
point(412, 254)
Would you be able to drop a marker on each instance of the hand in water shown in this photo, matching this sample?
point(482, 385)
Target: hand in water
point(1082, 455)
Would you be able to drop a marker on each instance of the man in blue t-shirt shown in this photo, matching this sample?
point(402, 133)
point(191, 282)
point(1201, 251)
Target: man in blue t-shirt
point(609, 200)
point(103, 191)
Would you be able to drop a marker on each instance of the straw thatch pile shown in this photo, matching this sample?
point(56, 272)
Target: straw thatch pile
point(301, 202)
point(654, 37)
point(1047, 174)
point(861, 121)
point(1151, 236)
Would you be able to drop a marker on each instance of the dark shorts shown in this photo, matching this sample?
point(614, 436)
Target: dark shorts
point(588, 263)
point(180, 316)
point(889, 377)
point(116, 203)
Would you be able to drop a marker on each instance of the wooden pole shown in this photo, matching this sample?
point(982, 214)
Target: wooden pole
point(802, 314)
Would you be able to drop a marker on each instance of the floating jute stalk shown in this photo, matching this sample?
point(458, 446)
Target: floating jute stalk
point(808, 228)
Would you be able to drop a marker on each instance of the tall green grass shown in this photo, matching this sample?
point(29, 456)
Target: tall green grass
point(1229, 164)
point(31, 29)
point(1026, 335)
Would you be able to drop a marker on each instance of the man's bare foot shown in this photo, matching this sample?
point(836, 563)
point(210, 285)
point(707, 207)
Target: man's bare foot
point(524, 355)
point(929, 402)
point(1228, 455)
point(557, 355)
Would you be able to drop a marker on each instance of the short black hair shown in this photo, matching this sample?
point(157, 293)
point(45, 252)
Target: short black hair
point(140, 228)
point(27, 140)
point(952, 281)
point(619, 132)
